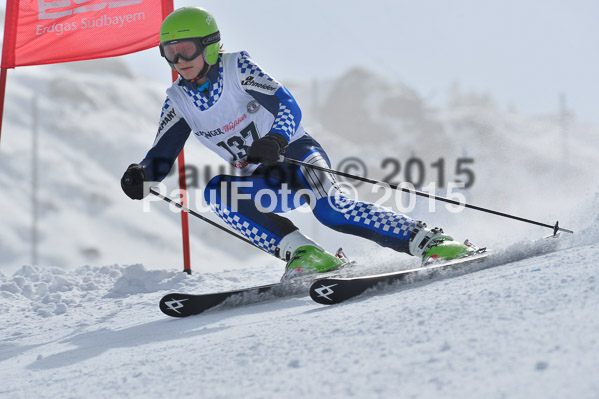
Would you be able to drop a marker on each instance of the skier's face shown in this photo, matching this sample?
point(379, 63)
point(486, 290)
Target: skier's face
point(189, 69)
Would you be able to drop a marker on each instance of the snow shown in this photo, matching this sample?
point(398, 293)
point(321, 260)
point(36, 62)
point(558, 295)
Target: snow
point(83, 321)
point(523, 329)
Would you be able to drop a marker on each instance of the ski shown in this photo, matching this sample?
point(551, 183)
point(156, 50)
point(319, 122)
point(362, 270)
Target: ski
point(184, 305)
point(332, 290)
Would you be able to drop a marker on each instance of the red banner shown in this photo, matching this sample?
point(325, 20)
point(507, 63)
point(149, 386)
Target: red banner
point(47, 32)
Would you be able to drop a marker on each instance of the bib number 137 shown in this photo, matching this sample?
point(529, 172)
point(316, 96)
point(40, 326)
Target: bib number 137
point(238, 145)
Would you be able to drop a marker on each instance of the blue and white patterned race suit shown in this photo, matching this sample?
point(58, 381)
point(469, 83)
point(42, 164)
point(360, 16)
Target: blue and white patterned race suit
point(290, 186)
point(239, 104)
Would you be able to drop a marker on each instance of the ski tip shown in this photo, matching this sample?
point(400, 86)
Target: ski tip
point(325, 291)
point(174, 305)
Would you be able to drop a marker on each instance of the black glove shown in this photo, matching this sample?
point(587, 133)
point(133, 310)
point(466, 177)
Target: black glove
point(267, 149)
point(132, 182)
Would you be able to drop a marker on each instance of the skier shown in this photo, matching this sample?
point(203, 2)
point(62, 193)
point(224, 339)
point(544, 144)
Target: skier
point(247, 117)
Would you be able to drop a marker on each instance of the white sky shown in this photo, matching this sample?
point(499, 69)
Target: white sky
point(524, 53)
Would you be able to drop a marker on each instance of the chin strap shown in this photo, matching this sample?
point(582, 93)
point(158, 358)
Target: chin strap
point(202, 73)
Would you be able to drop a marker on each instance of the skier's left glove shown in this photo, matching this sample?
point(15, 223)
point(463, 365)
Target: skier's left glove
point(267, 149)
point(132, 182)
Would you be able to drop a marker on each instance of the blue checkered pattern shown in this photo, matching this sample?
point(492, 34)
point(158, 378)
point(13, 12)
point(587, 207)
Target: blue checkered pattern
point(257, 235)
point(216, 90)
point(165, 107)
point(284, 122)
point(247, 67)
point(374, 217)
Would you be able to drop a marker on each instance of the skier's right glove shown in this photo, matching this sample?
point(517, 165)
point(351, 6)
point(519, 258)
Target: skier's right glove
point(267, 149)
point(132, 182)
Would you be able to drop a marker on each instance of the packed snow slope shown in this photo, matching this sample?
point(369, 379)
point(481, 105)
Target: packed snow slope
point(526, 327)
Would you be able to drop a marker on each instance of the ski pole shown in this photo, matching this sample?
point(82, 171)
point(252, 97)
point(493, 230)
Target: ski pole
point(554, 227)
point(205, 219)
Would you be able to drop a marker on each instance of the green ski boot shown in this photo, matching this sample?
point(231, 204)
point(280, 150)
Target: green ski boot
point(434, 246)
point(310, 259)
point(447, 249)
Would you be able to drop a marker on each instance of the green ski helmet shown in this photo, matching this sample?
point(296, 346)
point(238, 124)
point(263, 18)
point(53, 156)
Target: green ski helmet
point(190, 24)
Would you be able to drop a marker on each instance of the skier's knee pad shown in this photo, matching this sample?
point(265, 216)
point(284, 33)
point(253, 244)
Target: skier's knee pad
point(329, 211)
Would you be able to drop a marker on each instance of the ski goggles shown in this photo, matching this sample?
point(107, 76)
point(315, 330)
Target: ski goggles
point(188, 49)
